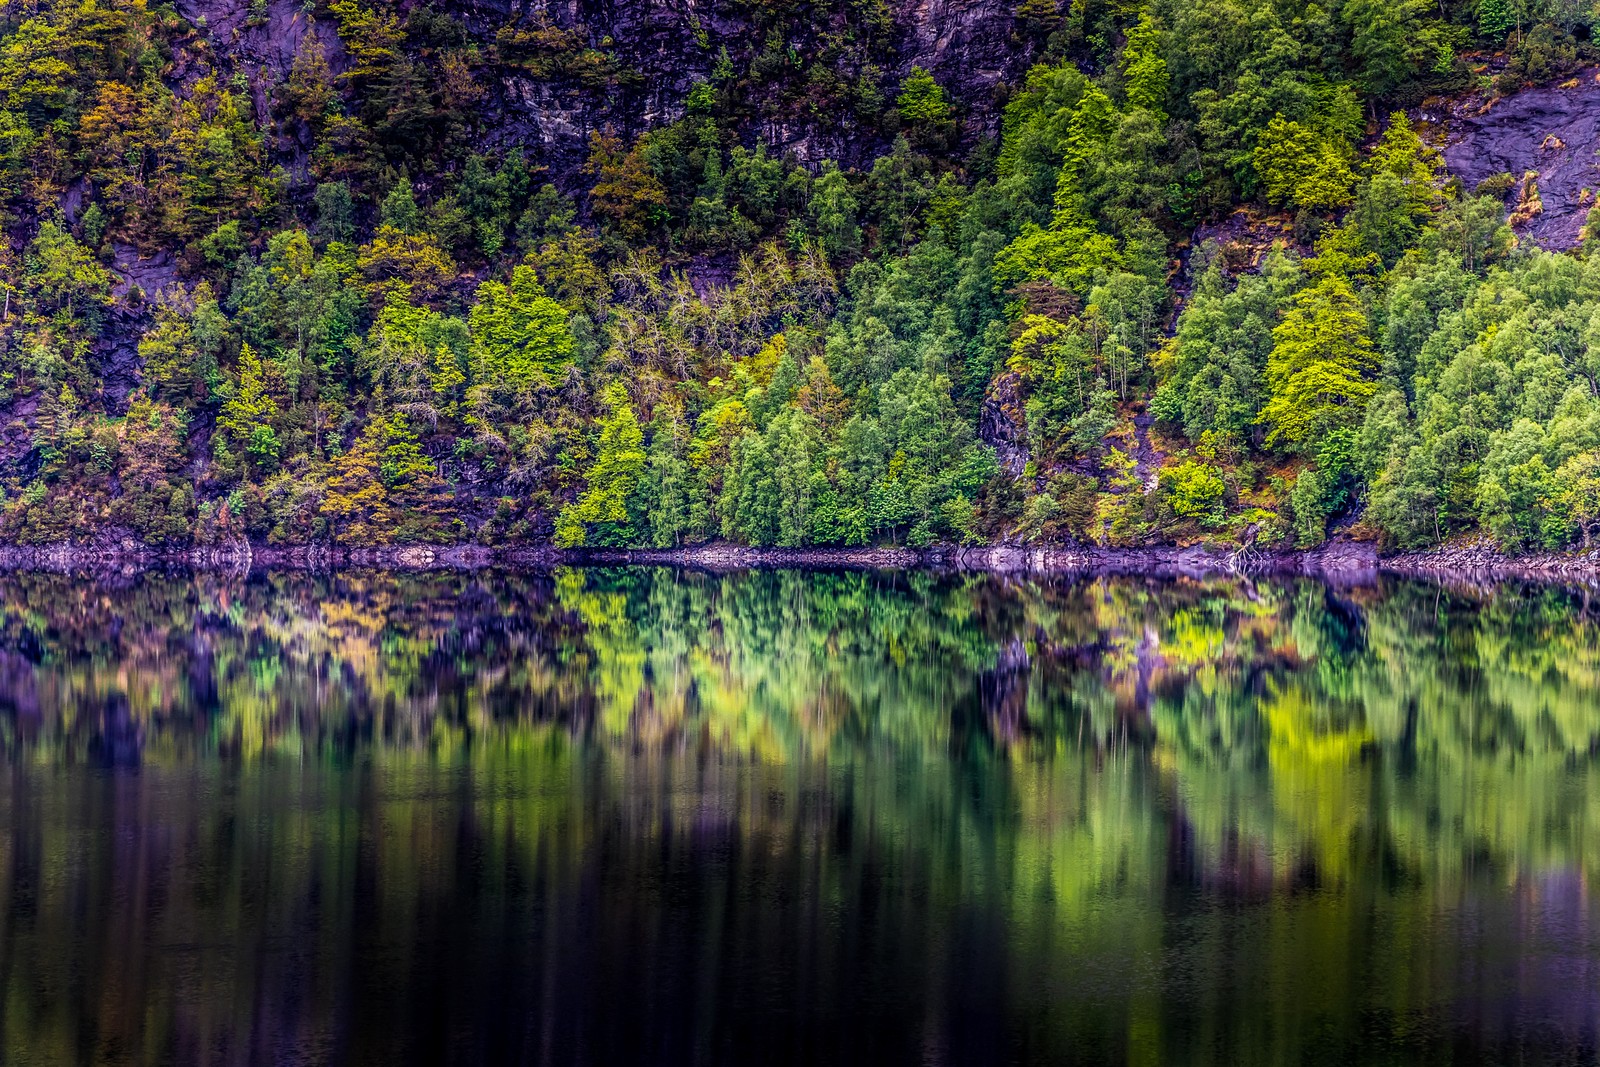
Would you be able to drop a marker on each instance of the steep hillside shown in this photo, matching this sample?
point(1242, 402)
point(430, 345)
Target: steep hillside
point(783, 273)
point(545, 75)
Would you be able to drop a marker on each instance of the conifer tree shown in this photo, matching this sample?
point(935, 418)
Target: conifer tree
point(1144, 71)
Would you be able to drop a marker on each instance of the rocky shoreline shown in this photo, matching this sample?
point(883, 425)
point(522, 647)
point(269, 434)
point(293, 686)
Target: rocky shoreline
point(1485, 562)
point(1342, 557)
point(1342, 561)
point(241, 556)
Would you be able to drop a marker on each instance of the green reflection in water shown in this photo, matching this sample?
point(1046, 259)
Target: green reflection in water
point(619, 815)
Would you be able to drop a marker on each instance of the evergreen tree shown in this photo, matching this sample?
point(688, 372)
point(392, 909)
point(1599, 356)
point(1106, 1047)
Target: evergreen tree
point(925, 110)
point(1496, 18)
point(399, 209)
point(833, 213)
point(750, 502)
point(667, 489)
point(1144, 69)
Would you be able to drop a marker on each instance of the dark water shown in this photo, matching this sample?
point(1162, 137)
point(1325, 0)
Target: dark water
point(644, 816)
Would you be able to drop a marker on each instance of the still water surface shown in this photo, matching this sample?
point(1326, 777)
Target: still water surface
point(649, 816)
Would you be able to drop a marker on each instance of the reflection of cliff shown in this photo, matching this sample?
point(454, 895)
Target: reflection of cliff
point(1003, 692)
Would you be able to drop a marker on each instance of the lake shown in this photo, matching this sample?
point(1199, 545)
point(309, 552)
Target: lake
point(655, 816)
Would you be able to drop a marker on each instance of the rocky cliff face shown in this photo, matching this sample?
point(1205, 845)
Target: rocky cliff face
point(1545, 138)
point(970, 46)
point(263, 48)
point(640, 58)
point(1002, 423)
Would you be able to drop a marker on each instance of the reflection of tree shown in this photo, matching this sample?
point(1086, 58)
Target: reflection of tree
point(1276, 712)
point(1076, 757)
point(777, 665)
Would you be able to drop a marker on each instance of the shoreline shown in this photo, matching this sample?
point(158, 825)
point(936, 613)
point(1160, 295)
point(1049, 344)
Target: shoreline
point(1342, 557)
point(1484, 563)
point(1340, 561)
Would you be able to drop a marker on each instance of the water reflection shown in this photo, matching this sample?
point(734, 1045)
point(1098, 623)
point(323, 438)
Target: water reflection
point(651, 816)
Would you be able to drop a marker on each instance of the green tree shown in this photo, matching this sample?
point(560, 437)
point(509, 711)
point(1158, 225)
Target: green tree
point(1578, 494)
point(833, 212)
point(62, 275)
point(399, 210)
point(925, 110)
point(1194, 491)
point(1319, 375)
point(1392, 44)
point(792, 443)
point(922, 99)
point(335, 211)
point(1496, 18)
point(750, 503)
point(1144, 68)
point(412, 265)
point(607, 513)
point(667, 487)
point(1301, 167)
point(247, 416)
point(1308, 499)
point(520, 336)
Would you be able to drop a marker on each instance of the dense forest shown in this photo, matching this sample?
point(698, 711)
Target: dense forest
point(1195, 271)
